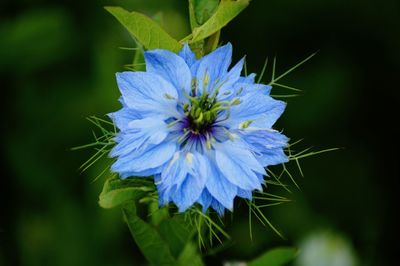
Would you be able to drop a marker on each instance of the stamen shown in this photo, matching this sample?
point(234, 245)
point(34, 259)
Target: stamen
point(183, 137)
point(236, 101)
point(208, 144)
point(189, 157)
point(245, 124)
point(169, 97)
point(206, 80)
point(173, 123)
point(229, 134)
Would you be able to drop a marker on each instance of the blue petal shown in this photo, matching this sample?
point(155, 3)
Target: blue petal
point(162, 200)
point(152, 158)
point(212, 67)
point(144, 173)
point(248, 79)
point(220, 188)
point(234, 72)
point(227, 82)
point(254, 89)
point(273, 157)
point(218, 207)
point(187, 55)
point(171, 67)
point(188, 193)
point(267, 145)
point(127, 143)
point(239, 89)
point(238, 165)
point(183, 179)
point(139, 134)
point(246, 194)
point(174, 173)
point(261, 139)
point(152, 128)
point(148, 93)
point(205, 199)
point(122, 117)
point(257, 107)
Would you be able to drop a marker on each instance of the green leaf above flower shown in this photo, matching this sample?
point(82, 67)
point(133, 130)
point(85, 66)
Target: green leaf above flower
point(226, 11)
point(200, 11)
point(146, 31)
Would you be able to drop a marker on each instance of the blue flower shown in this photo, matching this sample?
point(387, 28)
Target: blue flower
point(201, 129)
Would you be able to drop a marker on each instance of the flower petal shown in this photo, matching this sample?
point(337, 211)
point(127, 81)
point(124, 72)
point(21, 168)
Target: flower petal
point(218, 207)
point(248, 79)
point(144, 173)
point(153, 128)
point(259, 108)
point(273, 157)
point(246, 194)
point(226, 88)
point(183, 179)
point(187, 55)
point(212, 67)
point(188, 193)
point(238, 165)
point(148, 93)
point(266, 145)
point(122, 117)
point(152, 158)
point(261, 139)
point(205, 199)
point(253, 89)
point(220, 188)
point(171, 67)
point(138, 134)
point(240, 89)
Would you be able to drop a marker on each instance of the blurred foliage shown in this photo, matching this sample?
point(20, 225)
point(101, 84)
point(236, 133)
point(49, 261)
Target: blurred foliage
point(57, 65)
point(326, 248)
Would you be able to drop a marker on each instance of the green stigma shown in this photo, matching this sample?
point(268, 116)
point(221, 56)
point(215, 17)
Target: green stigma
point(202, 111)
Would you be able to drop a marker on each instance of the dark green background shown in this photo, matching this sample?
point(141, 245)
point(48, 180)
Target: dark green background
point(57, 65)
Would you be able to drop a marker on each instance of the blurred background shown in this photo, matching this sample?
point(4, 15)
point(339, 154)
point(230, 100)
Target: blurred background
point(57, 65)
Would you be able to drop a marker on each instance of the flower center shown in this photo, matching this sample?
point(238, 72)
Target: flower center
point(201, 112)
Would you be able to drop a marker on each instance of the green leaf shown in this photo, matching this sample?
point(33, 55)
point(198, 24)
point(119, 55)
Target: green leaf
point(176, 232)
point(157, 214)
point(226, 11)
point(190, 256)
point(192, 15)
point(145, 30)
point(275, 257)
point(212, 42)
point(200, 11)
point(149, 241)
point(117, 191)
